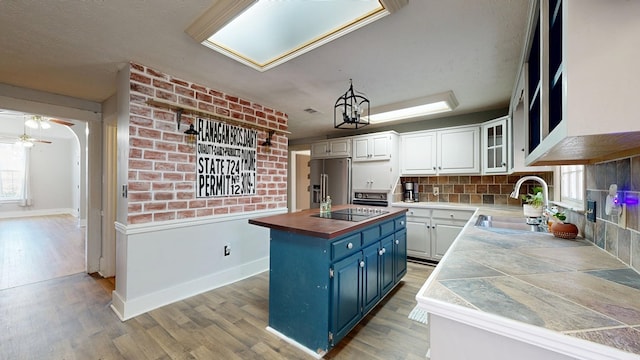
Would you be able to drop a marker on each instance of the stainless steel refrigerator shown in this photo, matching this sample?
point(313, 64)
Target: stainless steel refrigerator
point(330, 177)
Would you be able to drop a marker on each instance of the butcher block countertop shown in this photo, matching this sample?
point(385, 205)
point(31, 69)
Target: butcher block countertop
point(302, 222)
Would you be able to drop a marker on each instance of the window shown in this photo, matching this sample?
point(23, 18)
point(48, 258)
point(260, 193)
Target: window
point(13, 160)
point(572, 186)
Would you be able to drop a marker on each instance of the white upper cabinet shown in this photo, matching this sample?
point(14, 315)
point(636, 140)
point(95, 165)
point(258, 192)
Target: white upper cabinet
point(579, 98)
point(378, 146)
point(340, 147)
point(376, 176)
point(445, 151)
point(459, 150)
point(495, 145)
point(418, 153)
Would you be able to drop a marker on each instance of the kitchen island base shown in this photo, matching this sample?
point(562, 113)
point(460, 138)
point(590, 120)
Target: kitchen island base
point(321, 287)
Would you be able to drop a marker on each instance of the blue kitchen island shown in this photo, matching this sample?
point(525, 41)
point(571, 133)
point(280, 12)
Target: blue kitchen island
point(327, 272)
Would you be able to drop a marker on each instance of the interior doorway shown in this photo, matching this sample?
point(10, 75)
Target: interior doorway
point(300, 181)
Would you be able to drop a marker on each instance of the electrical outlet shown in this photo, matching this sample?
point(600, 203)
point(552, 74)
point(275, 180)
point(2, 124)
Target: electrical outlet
point(436, 191)
point(227, 250)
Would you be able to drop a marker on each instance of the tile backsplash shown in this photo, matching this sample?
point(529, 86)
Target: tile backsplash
point(474, 189)
point(622, 242)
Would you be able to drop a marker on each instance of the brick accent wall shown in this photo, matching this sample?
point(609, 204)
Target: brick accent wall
point(162, 167)
point(485, 189)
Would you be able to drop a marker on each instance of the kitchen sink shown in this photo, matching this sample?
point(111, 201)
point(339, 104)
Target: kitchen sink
point(505, 222)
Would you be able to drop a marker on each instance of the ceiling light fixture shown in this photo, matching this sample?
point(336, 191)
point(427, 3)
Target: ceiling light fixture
point(351, 110)
point(420, 107)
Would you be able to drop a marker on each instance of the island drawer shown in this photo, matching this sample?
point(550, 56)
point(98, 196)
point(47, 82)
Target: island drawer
point(371, 235)
point(345, 246)
point(386, 228)
point(401, 223)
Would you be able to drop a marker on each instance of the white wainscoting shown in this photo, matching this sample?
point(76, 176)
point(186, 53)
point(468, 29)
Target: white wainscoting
point(160, 263)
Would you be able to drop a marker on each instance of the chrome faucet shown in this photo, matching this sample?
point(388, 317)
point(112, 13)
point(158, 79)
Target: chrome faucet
point(545, 188)
point(542, 221)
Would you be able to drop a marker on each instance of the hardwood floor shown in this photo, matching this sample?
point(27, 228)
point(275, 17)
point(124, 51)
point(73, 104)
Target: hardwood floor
point(34, 249)
point(70, 318)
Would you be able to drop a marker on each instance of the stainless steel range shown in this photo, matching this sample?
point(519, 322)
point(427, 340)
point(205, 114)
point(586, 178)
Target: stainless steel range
point(370, 198)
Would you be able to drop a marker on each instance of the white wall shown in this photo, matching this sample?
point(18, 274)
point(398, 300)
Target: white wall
point(52, 171)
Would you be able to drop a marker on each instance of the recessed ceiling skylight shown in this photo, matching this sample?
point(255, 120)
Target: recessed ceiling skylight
point(268, 33)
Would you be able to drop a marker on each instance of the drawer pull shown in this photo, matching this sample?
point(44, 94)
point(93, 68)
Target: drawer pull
point(361, 264)
point(349, 246)
point(397, 242)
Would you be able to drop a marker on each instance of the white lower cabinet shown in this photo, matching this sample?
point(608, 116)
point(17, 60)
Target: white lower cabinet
point(419, 235)
point(443, 236)
point(431, 231)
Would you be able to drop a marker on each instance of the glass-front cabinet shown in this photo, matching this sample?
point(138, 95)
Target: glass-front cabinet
point(495, 143)
point(580, 105)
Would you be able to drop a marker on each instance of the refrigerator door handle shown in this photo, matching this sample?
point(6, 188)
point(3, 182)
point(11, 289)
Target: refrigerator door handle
point(324, 182)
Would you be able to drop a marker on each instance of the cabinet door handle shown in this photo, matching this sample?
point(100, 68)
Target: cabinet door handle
point(402, 222)
point(382, 251)
point(361, 263)
point(434, 168)
point(397, 242)
point(349, 246)
point(439, 167)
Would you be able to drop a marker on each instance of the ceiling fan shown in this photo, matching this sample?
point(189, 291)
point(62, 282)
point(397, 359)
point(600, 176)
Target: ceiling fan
point(40, 122)
point(34, 121)
point(24, 139)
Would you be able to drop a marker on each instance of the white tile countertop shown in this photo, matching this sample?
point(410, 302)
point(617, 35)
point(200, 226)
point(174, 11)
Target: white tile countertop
point(565, 296)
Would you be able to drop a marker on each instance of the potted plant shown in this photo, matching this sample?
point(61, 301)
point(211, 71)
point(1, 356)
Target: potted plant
point(533, 202)
point(562, 229)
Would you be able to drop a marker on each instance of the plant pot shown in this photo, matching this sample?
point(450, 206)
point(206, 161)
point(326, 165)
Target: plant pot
point(564, 230)
point(530, 211)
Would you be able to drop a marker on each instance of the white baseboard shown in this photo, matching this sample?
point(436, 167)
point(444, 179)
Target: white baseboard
point(36, 212)
point(127, 309)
